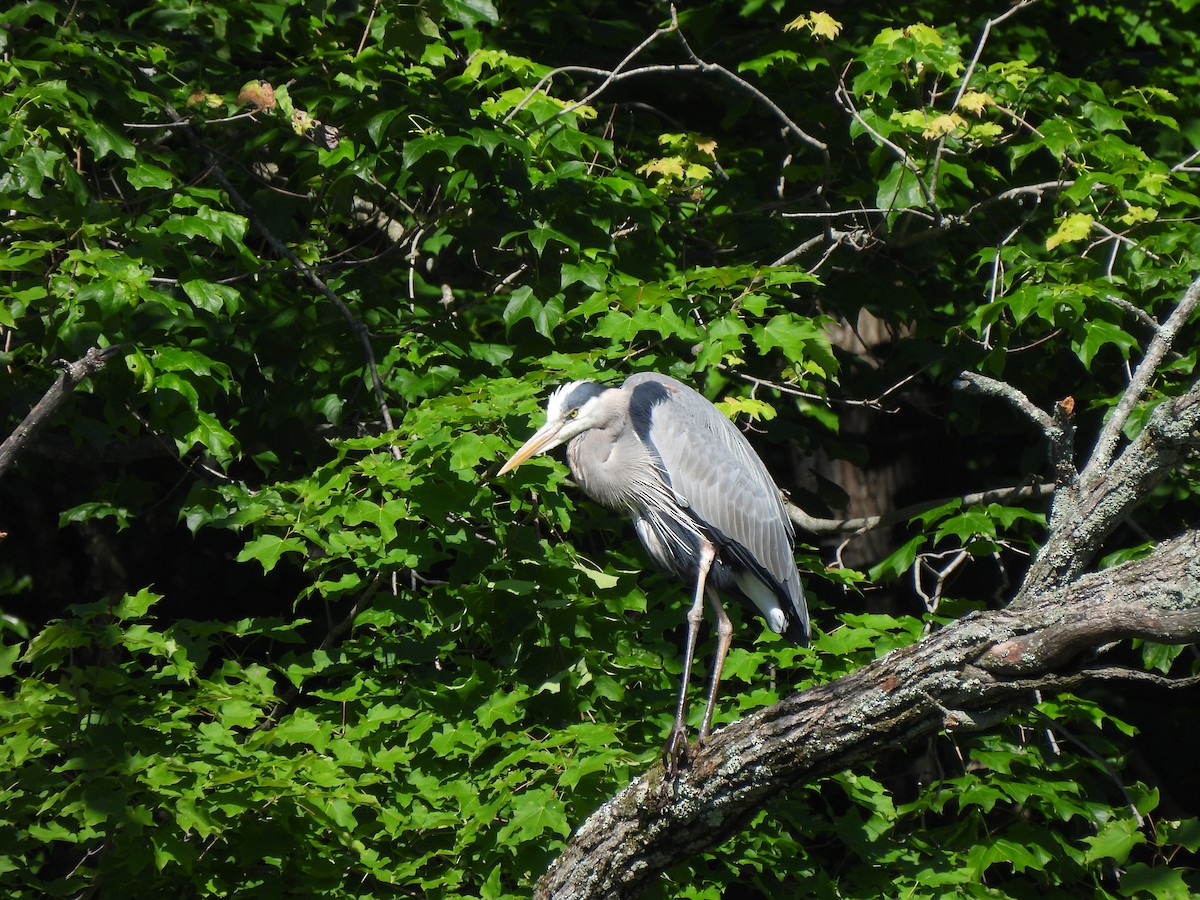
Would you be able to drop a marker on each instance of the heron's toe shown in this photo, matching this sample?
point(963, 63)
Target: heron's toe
point(675, 751)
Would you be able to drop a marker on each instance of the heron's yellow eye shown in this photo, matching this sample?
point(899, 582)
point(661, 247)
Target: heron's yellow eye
point(573, 414)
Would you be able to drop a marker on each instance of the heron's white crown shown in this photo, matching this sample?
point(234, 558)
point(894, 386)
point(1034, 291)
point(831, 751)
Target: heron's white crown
point(576, 406)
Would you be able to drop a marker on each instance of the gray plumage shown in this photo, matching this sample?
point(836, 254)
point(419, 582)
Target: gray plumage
point(702, 502)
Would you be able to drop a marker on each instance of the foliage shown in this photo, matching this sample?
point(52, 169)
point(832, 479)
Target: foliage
point(255, 640)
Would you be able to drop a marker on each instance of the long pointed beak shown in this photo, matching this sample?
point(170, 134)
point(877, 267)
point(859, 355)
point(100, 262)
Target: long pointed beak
point(545, 438)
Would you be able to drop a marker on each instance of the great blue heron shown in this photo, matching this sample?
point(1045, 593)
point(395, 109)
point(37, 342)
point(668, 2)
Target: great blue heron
point(701, 500)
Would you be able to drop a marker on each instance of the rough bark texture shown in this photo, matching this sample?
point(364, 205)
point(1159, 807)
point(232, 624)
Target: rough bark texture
point(983, 662)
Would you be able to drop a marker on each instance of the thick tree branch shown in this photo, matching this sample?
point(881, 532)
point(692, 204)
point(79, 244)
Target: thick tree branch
point(983, 663)
point(1080, 519)
point(73, 373)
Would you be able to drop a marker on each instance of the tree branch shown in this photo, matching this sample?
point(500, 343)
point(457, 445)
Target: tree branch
point(972, 671)
point(1159, 345)
point(815, 525)
point(73, 373)
point(912, 692)
point(1081, 519)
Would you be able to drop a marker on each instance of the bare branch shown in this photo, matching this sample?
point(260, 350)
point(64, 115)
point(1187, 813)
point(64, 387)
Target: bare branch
point(1037, 191)
point(698, 65)
point(974, 383)
point(610, 75)
point(1057, 428)
point(1082, 517)
point(842, 96)
point(1016, 494)
point(367, 28)
point(43, 411)
point(746, 86)
point(966, 81)
point(983, 38)
point(1159, 345)
point(1136, 311)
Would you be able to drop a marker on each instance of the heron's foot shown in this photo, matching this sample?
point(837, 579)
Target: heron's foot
point(675, 750)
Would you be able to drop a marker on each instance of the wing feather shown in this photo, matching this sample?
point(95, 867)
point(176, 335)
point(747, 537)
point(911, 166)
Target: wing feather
point(715, 473)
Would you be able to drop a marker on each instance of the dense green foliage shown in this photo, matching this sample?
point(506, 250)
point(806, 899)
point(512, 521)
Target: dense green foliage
point(187, 710)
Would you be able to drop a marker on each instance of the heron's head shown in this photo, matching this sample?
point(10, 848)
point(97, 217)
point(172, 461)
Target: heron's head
point(572, 409)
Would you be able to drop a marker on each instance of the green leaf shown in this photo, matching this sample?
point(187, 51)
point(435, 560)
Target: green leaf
point(268, 549)
point(898, 561)
point(1096, 334)
point(472, 12)
point(534, 812)
point(1115, 841)
point(800, 340)
point(1160, 882)
point(212, 298)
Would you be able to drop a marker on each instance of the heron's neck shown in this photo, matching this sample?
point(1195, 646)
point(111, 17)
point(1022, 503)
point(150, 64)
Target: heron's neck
point(598, 462)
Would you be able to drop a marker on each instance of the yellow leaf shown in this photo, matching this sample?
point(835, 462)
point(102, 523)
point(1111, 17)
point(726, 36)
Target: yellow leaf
point(668, 167)
point(824, 26)
point(923, 34)
point(910, 119)
point(302, 122)
point(1074, 227)
point(707, 145)
point(974, 101)
point(820, 24)
point(757, 410)
point(942, 125)
point(1137, 214)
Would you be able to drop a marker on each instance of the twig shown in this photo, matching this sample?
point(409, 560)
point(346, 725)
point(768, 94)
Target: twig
point(611, 76)
point(966, 80)
point(800, 250)
point(1185, 165)
point(746, 86)
point(1016, 193)
point(842, 96)
point(1159, 345)
point(73, 373)
point(298, 264)
point(618, 74)
point(1134, 310)
point(987, 30)
point(864, 524)
point(367, 28)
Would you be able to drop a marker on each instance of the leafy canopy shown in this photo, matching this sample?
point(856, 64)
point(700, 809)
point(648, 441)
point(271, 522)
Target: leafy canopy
point(257, 641)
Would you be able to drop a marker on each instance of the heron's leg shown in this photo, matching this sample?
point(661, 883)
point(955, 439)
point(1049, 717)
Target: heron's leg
point(677, 739)
point(724, 637)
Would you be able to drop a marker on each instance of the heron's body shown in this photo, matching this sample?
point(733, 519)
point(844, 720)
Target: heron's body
point(702, 502)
